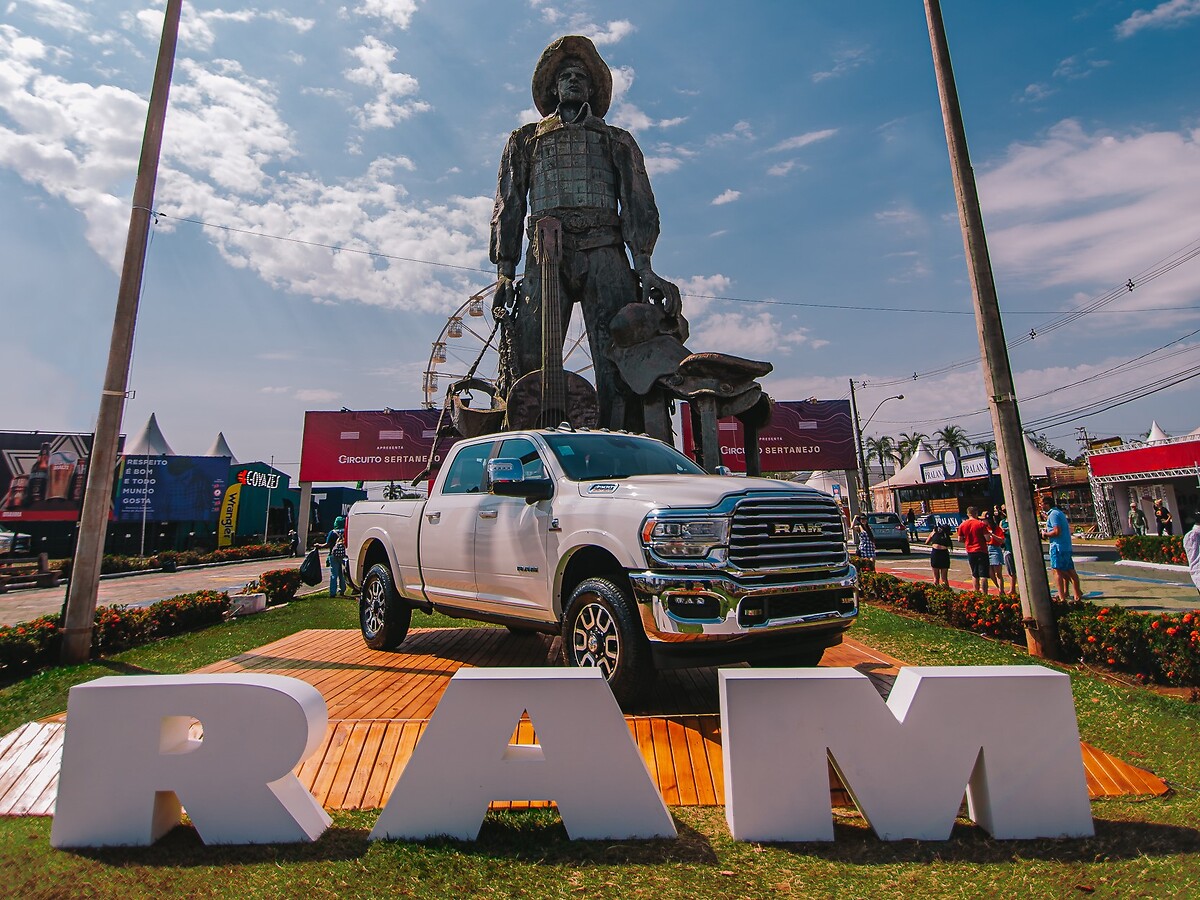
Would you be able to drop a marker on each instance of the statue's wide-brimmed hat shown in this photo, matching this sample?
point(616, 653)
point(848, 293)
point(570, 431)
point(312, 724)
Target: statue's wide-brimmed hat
point(546, 74)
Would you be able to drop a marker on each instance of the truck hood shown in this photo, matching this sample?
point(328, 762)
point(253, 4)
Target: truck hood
point(670, 491)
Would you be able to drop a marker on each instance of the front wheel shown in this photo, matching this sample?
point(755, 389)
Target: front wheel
point(383, 615)
point(600, 629)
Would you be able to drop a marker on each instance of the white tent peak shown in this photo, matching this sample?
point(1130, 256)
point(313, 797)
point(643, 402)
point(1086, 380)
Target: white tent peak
point(150, 442)
point(910, 472)
point(220, 447)
point(1156, 433)
point(1038, 461)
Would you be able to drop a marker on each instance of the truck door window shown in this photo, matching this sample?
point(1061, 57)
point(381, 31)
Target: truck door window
point(523, 449)
point(465, 475)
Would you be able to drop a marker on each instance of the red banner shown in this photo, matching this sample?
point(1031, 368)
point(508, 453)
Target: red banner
point(368, 446)
point(1154, 458)
point(803, 435)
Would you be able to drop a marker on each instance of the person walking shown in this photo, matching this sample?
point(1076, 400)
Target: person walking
point(1191, 548)
point(973, 533)
point(941, 541)
point(1009, 561)
point(1137, 518)
point(1163, 519)
point(336, 561)
point(995, 549)
point(864, 537)
point(1058, 531)
point(911, 518)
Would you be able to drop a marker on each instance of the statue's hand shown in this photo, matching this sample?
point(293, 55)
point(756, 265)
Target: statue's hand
point(659, 290)
point(505, 296)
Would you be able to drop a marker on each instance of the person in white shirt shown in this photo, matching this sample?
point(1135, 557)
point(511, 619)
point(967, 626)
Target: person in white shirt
point(1191, 547)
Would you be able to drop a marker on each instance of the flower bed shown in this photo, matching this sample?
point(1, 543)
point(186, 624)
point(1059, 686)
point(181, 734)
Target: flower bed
point(1164, 649)
point(170, 559)
point(280, 585)
point(30, 646)
point(1152, 548)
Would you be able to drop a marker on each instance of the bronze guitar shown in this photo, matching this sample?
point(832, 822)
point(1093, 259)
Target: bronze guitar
point(551, 396)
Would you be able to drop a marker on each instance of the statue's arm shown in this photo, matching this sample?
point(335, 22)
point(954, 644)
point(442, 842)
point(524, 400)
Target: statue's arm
point(639, 219)
point(508, 215)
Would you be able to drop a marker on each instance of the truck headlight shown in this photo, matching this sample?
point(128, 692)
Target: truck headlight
point(685, 538)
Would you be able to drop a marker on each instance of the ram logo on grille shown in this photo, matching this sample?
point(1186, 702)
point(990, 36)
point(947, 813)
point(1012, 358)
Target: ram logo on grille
point(782, 529)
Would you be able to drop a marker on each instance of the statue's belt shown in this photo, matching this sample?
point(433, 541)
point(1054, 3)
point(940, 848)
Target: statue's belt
point(584, 229)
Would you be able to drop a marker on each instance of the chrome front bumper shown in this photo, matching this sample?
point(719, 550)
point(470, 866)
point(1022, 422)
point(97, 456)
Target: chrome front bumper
point(725, 596)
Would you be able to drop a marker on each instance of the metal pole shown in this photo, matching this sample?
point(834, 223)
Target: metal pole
point(145, 504)
point(267, 518)
point(1041, 631)
point(93, 519)
point(864, 491)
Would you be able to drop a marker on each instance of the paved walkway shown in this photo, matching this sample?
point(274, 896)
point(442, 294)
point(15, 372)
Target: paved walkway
point(1119, 584)
point(140, 590)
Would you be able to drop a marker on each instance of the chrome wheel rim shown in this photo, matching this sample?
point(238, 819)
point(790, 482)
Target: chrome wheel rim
point(595, 640)
point(374, 606)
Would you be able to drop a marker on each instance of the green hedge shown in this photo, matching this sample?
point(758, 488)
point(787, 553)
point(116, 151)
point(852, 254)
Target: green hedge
point(1164, 649)
point(280, 585)
point(30, 646)
point(170, 559)
point(1152, 548)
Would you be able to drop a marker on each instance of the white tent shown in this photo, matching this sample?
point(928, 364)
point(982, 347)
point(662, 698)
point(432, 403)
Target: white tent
point(910, 472)
point(825, 480)
point(150, 442)
point(1038, 461)
point(220, 447)
point(1156, 433)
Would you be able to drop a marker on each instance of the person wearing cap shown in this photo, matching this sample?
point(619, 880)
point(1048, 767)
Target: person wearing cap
point(591, 177)
point(335, 542)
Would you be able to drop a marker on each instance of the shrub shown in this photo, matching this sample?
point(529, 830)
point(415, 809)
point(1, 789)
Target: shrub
point(118, 628)
point(280, 585)
point(1152, 548)
point(29, 646)
point(862, 563)
point(187, 612)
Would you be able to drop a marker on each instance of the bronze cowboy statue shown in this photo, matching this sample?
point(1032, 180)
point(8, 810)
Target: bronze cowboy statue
point(584, 187)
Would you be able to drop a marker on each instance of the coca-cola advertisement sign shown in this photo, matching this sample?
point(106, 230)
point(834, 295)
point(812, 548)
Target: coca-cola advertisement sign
point(42, 475)
point(803, 435)
point(369, 446)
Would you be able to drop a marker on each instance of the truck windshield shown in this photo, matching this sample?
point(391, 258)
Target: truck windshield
point(592, 456)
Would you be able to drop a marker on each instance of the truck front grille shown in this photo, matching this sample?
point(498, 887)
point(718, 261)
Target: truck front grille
point(789, 532)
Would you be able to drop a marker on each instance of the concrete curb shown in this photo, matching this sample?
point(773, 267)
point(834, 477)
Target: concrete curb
point(1166, 567)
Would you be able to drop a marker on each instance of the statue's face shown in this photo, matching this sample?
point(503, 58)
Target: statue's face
point(573, 84)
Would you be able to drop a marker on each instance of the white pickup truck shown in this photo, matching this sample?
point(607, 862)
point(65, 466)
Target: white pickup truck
point(618, 542)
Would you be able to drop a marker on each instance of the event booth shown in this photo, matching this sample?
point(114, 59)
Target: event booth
point(1160, 468)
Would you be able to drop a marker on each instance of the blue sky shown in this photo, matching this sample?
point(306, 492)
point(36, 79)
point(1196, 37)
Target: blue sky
point(796, 152)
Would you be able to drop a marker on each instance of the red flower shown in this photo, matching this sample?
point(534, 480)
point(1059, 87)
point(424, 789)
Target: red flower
point(1171, 631)
point(1155, 624)
point(1091, 639)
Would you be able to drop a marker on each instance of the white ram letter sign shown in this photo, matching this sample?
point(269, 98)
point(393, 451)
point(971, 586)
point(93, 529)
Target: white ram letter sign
point(585, 761)
point(1007, 734)
point(128, 762)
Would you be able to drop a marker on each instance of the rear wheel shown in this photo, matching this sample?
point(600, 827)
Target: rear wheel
point(600, 629)
point(906, 549)
point(383, 615)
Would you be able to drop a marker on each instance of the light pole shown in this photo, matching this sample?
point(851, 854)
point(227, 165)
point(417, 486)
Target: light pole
point(858, 438)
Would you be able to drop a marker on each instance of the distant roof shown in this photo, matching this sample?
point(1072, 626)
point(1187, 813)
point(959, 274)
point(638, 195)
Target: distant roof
point(151, 441)
point(1156, 433)
point(220, 447)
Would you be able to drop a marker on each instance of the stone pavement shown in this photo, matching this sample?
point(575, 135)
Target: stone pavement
point(142, 590)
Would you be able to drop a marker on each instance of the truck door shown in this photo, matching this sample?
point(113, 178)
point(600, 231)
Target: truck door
point(511, 559)
point(447, 536)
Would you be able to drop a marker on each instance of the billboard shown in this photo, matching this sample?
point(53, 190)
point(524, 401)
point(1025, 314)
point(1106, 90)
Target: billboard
point(42, 475)
point(171, 488)
point(803, 435)
point(368, 446)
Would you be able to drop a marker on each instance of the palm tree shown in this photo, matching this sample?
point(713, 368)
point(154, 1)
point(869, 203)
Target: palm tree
point(989, 446)
point(882, 448)
point(952, 438)
point(393, 491)
point(910, 443)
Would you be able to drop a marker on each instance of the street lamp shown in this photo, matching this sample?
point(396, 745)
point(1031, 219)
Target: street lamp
point(858, 430)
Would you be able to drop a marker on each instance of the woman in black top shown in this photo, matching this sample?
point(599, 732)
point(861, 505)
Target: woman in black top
point(939, 556)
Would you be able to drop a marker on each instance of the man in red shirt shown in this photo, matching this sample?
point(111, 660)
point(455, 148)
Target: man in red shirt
point(974, 534)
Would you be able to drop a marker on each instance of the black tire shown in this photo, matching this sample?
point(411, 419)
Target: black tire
point(799, 658)
point(906, 549)
point(600, 628)
point(383, 615)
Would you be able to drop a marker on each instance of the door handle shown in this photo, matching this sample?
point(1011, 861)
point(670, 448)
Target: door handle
point(433, 518)
point(487, 514)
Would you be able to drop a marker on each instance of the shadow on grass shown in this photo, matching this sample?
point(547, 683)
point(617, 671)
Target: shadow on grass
point(855, 844)
point(123, 668)
point(181, 847)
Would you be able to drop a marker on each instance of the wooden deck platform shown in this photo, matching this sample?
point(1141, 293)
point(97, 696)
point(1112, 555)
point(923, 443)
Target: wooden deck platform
point(379, 703)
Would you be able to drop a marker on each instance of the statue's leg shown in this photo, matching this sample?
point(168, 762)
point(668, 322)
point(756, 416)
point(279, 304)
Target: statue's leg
point(609, 285)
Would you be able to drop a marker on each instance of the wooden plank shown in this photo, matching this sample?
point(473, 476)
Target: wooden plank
point(24, 795)
point(372, 741)
point(667, 783)
point(706, 794)
point(685, 775)
point(411, 733)
point(345, 769)
point(710, 728)
point(307, 771)
point(333, 758)
point(372, 795)
point(21, 756)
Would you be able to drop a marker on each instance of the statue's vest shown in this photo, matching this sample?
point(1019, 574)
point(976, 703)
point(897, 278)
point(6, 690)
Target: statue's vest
point(572, 168)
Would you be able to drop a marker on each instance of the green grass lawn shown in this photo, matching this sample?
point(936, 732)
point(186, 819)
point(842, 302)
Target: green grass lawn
point(1142, 849)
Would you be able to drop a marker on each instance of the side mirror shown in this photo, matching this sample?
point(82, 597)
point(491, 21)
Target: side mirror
point(532, 489)
point(722, 470)
point(502, 470)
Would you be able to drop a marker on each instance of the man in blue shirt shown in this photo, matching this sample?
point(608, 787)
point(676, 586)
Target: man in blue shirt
point(1058, 530)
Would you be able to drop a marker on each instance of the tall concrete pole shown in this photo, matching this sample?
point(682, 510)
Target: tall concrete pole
point(1041, 631)
point(864, 487)
point(93, 518)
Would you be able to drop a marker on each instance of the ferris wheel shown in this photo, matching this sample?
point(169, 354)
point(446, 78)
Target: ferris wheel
point(469, 336)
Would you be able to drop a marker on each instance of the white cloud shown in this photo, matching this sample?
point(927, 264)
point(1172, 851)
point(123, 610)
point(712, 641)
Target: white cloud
point(625, 114)
point(375, 58)
point(609, 33)
point(316, 395)
point(661, 165)
point(751, 334)
point(395, 12)
point(1172, 14)
point(899, 216)
point(196, 27)
point(741, 131)
point(726, 196)
point(846, 60)
point(803, 140)
point(1035, 93)
point(1092, 209)
point(780, 169)
point(1078, 66)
